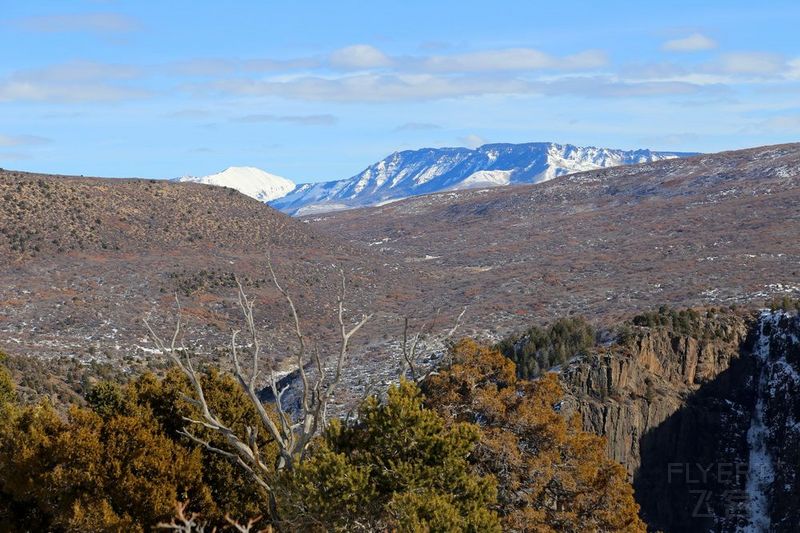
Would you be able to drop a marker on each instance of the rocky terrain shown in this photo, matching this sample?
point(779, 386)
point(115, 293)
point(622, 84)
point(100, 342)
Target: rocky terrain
point(644, 383)
point(84, 260)
point(705, 230)
point(704, 418)
point(714, 229)
point(667, 401)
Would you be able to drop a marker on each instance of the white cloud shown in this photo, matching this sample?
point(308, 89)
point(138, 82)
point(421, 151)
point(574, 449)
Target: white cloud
point(660, 70)
point(417, 126)
point(23, 140)
point(703, 74)
point(612, 87)
point(79, 71)
point(725, 69)
point(472, 141)
point(85, 22)
point(380, 78)
point(76, 92)
point(786, 123)
point(512, 59)
point(587, 59)
point(794, 69)
point(780, 124)
point(189, 113)
point(365, 57)
point(274, 65)
point(219, 66)
point(76, 81)
point(303, 120)
point(695, 42)
point(359, 57)
point(203, 67)
point(370, 87)
point(758, 63)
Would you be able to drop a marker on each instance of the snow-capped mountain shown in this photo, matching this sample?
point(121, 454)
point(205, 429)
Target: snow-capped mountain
point(251, 181)
point(428, 170)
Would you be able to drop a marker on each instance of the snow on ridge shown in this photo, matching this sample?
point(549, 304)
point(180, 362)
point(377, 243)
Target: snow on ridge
point(484, 179)
point(315, 209)
point(250, 181)
point(430, 170)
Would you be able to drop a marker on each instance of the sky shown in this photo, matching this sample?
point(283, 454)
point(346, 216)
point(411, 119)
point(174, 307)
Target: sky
point(317, 91)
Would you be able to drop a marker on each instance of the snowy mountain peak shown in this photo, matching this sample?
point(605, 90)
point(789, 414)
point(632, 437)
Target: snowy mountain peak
point(429, 170)
point(250, 181)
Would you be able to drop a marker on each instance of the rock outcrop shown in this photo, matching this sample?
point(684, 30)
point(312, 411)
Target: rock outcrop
point(704, 417)
point(627, 390)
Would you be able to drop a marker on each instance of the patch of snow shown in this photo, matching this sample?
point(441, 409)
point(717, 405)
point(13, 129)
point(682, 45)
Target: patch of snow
point(760, 472)
point(153, 351)
point(483, 179)
point(314, 209)
point(382, 241)
point(390, 201)
point(420, 259)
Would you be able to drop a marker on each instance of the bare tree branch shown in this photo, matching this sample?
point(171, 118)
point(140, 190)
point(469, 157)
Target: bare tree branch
point(411, 343)
point(242, 528)
point(183, 523)
point(292, 438)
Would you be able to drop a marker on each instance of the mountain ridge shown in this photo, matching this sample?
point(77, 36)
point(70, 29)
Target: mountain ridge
point(428, 170)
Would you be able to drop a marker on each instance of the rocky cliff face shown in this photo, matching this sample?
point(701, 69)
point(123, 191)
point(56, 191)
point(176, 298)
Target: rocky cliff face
point(773, 483)
point(629, 389)
point(704, 417)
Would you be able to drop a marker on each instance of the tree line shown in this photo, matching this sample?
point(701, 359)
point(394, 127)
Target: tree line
point(470, 448)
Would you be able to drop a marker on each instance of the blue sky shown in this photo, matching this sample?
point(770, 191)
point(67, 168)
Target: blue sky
point(319, 90)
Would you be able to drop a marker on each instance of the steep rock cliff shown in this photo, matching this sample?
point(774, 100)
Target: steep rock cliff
point(627, 389)
point(704, 416)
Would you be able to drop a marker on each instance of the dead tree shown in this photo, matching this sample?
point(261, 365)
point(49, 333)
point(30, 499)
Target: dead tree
point(292, 434)
point(184, 522)
point(411, 344)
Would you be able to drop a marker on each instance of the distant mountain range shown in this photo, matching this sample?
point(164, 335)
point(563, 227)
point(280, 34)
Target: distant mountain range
point(429, 170)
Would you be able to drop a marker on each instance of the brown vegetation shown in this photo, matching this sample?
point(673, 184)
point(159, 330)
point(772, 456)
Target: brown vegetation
point(714, 229)
point(552, 476)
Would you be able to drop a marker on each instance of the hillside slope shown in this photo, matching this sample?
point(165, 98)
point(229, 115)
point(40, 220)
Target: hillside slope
point(711, 229)
point(84, 260)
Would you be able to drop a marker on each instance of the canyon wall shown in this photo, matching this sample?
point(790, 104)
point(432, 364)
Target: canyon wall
point(705, 420)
